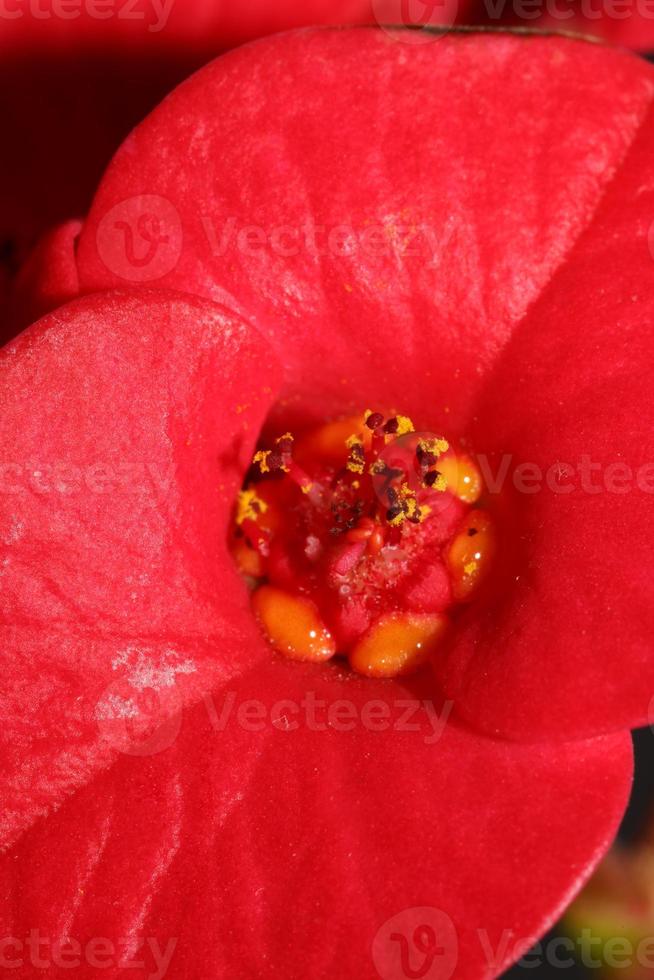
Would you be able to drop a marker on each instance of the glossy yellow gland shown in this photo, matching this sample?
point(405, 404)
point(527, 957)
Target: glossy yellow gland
point(398, 644)
point(293, 625)
point(272, 493)
point(329, 442)
point(471, 554)
point(462, 477)
point(248, 560)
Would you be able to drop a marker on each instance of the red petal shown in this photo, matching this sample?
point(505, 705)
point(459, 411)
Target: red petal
point(270, 841)
point(439, 153)
point(567, 648)
point(47, 279)
point(126, 424)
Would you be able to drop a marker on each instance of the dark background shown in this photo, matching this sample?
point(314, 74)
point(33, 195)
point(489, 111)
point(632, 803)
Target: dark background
point(633, 824)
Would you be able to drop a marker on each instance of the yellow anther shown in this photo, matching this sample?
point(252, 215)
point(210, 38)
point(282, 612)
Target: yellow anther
point(377, 468)
point(249, 506)
point(404, 425)
point(356, 459)
point(437, 446)
point(260, 459)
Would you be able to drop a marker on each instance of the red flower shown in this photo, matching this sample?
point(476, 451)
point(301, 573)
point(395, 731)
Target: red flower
point(283, 836)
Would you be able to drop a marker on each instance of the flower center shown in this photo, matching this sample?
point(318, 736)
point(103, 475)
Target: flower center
point(360, 539)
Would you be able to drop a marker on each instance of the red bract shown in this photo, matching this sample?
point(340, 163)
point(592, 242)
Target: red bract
point(433, 243)
point(290, 841)
point(502, 233)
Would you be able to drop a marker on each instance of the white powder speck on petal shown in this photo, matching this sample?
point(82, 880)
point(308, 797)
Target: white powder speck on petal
point(149, 669)
point(116, 707)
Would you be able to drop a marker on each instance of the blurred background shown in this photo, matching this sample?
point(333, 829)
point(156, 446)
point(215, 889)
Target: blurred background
point(77, 75)
point(617, 904)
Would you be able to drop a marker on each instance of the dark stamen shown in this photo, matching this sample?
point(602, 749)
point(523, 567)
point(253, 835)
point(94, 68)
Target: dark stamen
point(425, 457)
point(375, 420)
point(430, 478)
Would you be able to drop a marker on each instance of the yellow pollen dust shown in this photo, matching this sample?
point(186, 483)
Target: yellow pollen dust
point(411, 509)
point(249, 506)
point(404, 425)
point(377, 468)
point(260, 459)
point(436, 446)
point(356, 459)
point(439, 484)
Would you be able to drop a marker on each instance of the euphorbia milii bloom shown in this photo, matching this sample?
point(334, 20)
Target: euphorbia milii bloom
point(466, 285)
